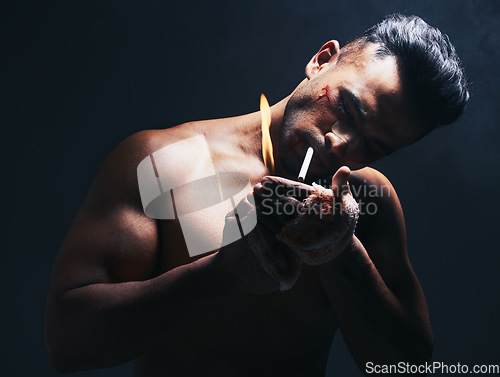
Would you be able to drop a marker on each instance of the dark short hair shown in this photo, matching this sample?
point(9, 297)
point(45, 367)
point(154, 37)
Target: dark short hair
point(429, 66)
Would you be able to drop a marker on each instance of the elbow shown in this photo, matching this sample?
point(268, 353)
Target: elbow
point(420, 350)
point(59, 349)
point(60, 366)
point(426, 344)
point(60, 359)
point(55, 343)
point(67, 356)
point(69, 351)
point(412, 348)
point(61, 344)
point(427, 348)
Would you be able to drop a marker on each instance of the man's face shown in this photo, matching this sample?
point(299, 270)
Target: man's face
point(352, 113)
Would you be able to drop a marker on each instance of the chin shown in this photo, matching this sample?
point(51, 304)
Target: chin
point(290, 170)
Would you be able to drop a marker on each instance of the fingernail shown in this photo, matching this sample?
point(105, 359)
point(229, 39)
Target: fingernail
point(257, 188)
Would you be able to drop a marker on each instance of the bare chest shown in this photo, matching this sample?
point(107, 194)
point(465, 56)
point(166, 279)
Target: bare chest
point(292, 329)
point(279, 329)
point(196, 183)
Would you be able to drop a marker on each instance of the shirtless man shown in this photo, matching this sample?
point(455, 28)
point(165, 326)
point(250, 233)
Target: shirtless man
point(125, 288)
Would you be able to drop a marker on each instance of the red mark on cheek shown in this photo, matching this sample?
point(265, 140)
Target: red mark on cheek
point(324, 92)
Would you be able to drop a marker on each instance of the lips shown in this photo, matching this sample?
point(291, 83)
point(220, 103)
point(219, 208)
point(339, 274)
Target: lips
point(329, 151)
point(328, 145)
point(319, 162)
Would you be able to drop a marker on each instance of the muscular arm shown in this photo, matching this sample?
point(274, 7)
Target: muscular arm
point(105, 306)
point(380, 306)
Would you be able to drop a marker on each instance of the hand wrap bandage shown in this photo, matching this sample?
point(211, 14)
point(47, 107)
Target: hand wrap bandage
point(324, 227)
point(321, 232)
point(277, 260)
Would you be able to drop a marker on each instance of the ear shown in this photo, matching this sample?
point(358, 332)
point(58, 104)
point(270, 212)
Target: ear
point(328, 54)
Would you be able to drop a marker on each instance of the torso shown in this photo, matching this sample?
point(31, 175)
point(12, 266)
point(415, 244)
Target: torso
point(286, 333)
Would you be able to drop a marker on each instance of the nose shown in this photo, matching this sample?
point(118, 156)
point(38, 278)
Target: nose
point(346, 137)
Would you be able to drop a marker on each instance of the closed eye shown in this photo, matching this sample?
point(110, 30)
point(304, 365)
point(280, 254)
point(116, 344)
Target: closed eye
point(353, 105)
point(341, 104)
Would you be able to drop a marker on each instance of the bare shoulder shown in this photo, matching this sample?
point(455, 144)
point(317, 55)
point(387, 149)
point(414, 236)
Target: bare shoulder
point(376, 192)
point(124, 158)
point(371, 188)
point(117, 174)
point(381, 227)
point(371, 177)
point(110, 238)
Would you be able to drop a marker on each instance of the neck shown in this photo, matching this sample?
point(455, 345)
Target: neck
point(277, 112)
point(245, 133)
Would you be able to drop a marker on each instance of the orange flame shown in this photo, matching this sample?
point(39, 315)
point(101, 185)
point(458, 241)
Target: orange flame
point(267, 145)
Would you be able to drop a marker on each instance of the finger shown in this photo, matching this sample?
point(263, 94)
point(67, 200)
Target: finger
point(268, 223)
point(281, 210)
point(340, 186)
point(278, 186)
point(288, 183)
point(247, 204)
point(265, 217)
point(243, 209)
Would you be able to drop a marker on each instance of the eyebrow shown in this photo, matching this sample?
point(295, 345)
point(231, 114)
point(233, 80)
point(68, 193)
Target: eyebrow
point(358, 106)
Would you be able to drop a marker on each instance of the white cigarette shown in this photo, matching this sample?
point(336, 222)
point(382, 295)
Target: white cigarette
point(305, 164)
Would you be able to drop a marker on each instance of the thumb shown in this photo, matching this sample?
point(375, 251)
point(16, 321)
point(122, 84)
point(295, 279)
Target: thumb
point(340, 186)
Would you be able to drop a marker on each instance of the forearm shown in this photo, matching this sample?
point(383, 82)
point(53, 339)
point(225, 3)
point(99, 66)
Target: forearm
point(101, 325)
point(376, 325)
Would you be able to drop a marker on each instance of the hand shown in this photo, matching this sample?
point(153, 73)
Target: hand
point(325, 225)
point(256, 261)
point(279, 201)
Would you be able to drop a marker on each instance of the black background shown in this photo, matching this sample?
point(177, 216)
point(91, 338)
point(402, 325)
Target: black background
point(78, 77)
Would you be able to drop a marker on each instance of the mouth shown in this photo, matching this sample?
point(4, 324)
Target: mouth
point(319, 162)
point(329, 148)
point(323, 159)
